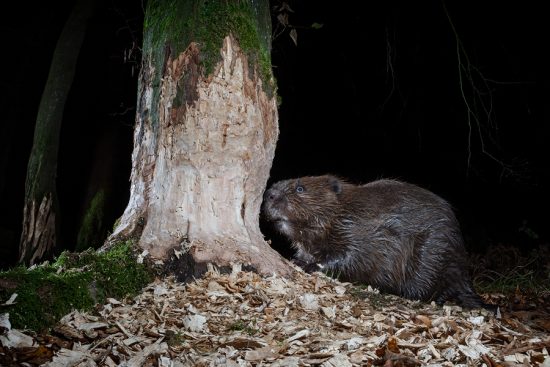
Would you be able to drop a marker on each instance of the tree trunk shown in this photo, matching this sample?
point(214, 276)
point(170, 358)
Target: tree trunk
point(205, 134)
point(40, 209)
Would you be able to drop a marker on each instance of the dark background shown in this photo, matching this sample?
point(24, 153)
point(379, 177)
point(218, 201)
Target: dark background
point(375, 92)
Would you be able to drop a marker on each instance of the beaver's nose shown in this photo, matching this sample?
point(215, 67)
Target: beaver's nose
point(270, 194)
point(273, 194)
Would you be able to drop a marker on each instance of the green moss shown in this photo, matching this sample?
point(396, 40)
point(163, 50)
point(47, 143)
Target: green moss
point(217, 19)
point(74, 281)
point(116, 223)
point(44, 296)
point(92, 231)
point(174, 339)
point(505, 269)
point(508, 283)
point(249, 328)
point(171, 25)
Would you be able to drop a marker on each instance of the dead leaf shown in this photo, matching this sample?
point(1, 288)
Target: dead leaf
point(242, 318)
point(392, 345)
point(425, 320)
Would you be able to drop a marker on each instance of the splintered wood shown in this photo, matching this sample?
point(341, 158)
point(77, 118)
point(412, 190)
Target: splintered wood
point(243, 319)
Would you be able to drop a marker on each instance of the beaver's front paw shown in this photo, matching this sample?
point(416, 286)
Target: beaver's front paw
point(311, 268)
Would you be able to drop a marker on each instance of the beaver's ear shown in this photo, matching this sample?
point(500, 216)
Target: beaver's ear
point(335, 184)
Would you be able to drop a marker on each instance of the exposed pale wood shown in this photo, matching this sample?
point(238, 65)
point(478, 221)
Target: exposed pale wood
point(38, 236)
point(198, 177)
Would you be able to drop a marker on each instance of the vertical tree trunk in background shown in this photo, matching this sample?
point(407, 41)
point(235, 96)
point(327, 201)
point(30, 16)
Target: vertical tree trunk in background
point(40, 208)
point(205, 134)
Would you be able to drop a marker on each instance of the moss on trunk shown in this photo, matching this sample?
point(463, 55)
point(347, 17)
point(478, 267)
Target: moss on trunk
point(92, 230)
point(170, 26)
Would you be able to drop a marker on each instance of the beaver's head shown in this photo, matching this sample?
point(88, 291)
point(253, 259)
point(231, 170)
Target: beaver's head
point(303, 206)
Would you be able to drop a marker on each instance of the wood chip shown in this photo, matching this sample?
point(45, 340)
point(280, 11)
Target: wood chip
point(243, 319)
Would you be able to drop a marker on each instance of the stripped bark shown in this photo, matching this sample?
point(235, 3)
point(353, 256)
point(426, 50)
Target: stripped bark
point(38, 230)
point(200, 167)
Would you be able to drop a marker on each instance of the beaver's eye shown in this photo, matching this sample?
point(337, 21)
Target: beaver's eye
point(299, 189)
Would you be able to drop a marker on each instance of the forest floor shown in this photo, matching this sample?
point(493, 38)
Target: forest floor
point(243, 319)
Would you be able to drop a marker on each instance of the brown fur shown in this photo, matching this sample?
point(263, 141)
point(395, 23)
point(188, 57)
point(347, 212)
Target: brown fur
point(393, 235)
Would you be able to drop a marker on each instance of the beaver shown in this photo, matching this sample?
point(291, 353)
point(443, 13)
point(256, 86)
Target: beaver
point(393, 235)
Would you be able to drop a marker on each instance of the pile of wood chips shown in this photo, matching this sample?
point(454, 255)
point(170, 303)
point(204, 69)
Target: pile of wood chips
point(243, 319)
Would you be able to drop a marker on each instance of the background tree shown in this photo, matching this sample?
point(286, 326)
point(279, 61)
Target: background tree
point(40, 213)
point(205, 134)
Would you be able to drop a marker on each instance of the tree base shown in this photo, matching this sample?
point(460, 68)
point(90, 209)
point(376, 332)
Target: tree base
point(203, 148)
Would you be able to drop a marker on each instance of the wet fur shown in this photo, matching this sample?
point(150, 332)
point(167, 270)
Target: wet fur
point(392, 235)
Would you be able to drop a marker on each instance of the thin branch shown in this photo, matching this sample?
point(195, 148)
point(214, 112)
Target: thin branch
point(466, 73)
point(390, 72)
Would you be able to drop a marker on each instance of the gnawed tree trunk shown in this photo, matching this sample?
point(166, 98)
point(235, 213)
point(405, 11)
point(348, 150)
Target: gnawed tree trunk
point(40, 208)
point(204, 139)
